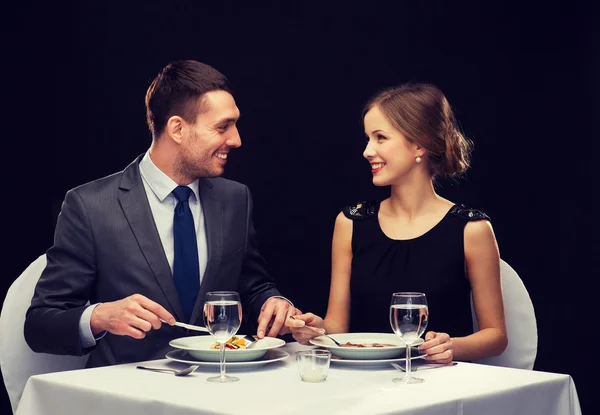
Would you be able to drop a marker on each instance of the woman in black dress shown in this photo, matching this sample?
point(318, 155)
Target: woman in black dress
point(415, 240)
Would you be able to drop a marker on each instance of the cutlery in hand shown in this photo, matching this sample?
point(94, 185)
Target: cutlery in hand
point(189, 326)
point(424, 366)
point(318, 330)
point(333, 340)
point(251, 341)
point(182, 372)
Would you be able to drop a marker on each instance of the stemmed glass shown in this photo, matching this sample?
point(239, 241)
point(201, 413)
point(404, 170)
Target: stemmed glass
point(222, 317)
point(408, 316)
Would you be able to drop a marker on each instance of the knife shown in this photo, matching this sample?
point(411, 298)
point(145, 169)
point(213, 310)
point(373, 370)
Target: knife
point(424, 366)
point(189, 326)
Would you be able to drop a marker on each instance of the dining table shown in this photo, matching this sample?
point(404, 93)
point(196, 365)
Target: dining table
point(276, 388)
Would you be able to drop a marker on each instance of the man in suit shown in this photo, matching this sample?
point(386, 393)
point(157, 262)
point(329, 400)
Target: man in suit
point(146, 244)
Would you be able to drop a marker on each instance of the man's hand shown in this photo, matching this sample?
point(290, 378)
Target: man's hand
point(132, 316)
point(273, 315)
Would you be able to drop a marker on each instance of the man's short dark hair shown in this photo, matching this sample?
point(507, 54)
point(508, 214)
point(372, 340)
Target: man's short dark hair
point(179, 90)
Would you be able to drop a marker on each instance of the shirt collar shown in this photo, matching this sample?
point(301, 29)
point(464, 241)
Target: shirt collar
point(161, 184)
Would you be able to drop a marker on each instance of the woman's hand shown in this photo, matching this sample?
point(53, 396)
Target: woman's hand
point(438, 347)
point(305, 327)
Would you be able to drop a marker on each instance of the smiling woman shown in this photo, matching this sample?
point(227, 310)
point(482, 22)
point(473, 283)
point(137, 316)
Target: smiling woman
point(420, 123)
point(415, 240)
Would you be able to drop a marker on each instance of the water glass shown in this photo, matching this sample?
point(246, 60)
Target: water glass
point(313, 365)
point(409, 315)
point(222, 317)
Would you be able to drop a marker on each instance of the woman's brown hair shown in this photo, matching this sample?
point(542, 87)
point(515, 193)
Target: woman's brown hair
point(423, 115)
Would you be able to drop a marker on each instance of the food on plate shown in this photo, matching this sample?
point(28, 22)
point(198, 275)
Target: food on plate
point(234, 343)
point(349, 344)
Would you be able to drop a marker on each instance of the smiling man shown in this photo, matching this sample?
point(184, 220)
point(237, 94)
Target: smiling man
point(146, 244)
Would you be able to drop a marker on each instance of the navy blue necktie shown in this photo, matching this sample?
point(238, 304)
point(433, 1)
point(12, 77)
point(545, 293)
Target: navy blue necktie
point(186, 271)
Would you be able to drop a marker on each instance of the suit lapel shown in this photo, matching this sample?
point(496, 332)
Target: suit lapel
point(136, 208)
point(212, 209)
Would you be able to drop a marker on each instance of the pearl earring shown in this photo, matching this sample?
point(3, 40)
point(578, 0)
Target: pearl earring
point(418, 159)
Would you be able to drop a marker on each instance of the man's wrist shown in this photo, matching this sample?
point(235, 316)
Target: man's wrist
point(96, 323)
point(282, 297)
point(87, 337)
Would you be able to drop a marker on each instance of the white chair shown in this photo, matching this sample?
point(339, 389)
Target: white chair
point(520, 323)
point(17, 361)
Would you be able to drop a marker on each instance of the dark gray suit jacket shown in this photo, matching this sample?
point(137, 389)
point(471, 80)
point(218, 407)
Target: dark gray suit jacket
point(106, 247)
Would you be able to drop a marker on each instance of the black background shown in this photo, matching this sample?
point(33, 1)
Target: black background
point(524, 82)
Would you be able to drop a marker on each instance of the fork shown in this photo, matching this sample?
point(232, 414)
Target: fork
point(251, 340)
point(182, 372)
point(333, 340)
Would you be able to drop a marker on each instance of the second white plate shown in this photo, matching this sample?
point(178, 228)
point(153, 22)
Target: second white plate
point(395, 351)
point(336, 360)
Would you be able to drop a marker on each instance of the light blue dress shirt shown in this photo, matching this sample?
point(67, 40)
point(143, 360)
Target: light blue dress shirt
point(158, 188)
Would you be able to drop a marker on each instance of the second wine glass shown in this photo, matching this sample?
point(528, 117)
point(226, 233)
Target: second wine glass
point(222, 317)
point(408, 317)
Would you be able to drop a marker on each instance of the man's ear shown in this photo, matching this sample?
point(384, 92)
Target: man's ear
point(174, 128)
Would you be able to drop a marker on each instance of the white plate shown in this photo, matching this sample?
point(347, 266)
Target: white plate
point(270, 356)
point(364, 353)
point(335, 359)
point(199, 348)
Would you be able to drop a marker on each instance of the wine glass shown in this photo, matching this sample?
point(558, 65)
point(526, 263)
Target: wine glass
point(222, 317)
point(408, 316)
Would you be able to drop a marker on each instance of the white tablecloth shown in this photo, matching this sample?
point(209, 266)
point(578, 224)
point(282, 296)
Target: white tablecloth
point(276, 388)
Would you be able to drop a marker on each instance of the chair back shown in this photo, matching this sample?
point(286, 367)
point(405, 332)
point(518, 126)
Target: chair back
point(17, 361)
point(521, 324)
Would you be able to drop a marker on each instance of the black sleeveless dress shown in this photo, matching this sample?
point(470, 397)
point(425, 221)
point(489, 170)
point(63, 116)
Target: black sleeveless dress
point(433, 263)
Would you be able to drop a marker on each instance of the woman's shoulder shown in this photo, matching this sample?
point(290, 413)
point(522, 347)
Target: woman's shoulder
point(361, 210)
point(468, 214)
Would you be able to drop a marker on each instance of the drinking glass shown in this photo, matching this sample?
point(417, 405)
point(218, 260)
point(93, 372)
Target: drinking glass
point(408, 317)
point(222, 317)
point(313, 364)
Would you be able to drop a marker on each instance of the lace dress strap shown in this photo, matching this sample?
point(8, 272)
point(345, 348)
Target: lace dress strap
point(361, 210)
point(468, 213)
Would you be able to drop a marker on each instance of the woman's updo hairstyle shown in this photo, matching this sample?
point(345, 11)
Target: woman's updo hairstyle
point(423, 115)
